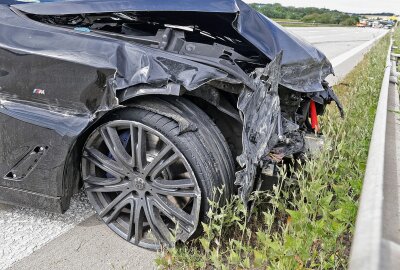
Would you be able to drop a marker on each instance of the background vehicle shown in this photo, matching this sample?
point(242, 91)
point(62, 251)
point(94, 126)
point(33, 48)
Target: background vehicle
point(148, 105)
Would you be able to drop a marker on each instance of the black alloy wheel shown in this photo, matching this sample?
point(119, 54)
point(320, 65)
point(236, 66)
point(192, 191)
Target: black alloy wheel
point(140, 182)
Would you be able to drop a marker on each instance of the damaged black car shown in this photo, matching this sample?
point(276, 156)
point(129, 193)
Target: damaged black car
point(150, 105)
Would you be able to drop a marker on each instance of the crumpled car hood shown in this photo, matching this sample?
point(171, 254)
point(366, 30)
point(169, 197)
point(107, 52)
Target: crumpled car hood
point(303, 66)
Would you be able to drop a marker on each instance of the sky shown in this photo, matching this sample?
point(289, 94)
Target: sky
point(355, 6)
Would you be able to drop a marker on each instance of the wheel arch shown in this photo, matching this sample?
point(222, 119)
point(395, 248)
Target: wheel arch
point(217, 99)
point(225, 121)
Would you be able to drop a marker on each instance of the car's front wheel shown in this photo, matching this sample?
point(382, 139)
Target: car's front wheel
point(149, 182)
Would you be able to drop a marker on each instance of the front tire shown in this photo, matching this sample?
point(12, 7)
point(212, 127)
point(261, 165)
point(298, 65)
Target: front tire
point(148, 182)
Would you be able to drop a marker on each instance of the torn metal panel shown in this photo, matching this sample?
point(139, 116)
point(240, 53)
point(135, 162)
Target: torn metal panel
point(303, 66)
point(261, 111)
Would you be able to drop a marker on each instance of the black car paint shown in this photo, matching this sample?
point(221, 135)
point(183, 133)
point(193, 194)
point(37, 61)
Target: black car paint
point(80, 76)
point(303, 66)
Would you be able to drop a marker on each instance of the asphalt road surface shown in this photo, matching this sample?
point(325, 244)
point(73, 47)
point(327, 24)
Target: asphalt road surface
point(33, 239)
point(344, 46)
point(334, 41)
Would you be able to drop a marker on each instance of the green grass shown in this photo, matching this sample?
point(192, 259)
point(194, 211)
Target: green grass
point(308, 25)
point(297, 23)
point(396, 38)
point(396, 42)
point(305, 223)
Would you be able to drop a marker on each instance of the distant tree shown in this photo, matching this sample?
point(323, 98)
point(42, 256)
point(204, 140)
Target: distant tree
point(309, 14)
point(311, 17)
point(350, 21)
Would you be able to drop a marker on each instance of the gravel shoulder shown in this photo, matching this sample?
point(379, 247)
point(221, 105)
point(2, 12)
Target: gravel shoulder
point(90, 245)
point(25, 230)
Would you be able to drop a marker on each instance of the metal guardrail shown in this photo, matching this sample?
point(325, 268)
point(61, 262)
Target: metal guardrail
point(375, 246)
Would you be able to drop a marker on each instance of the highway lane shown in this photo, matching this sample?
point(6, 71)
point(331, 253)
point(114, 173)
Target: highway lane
point(334, 41)
point(63, 242)
point(344, 46)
